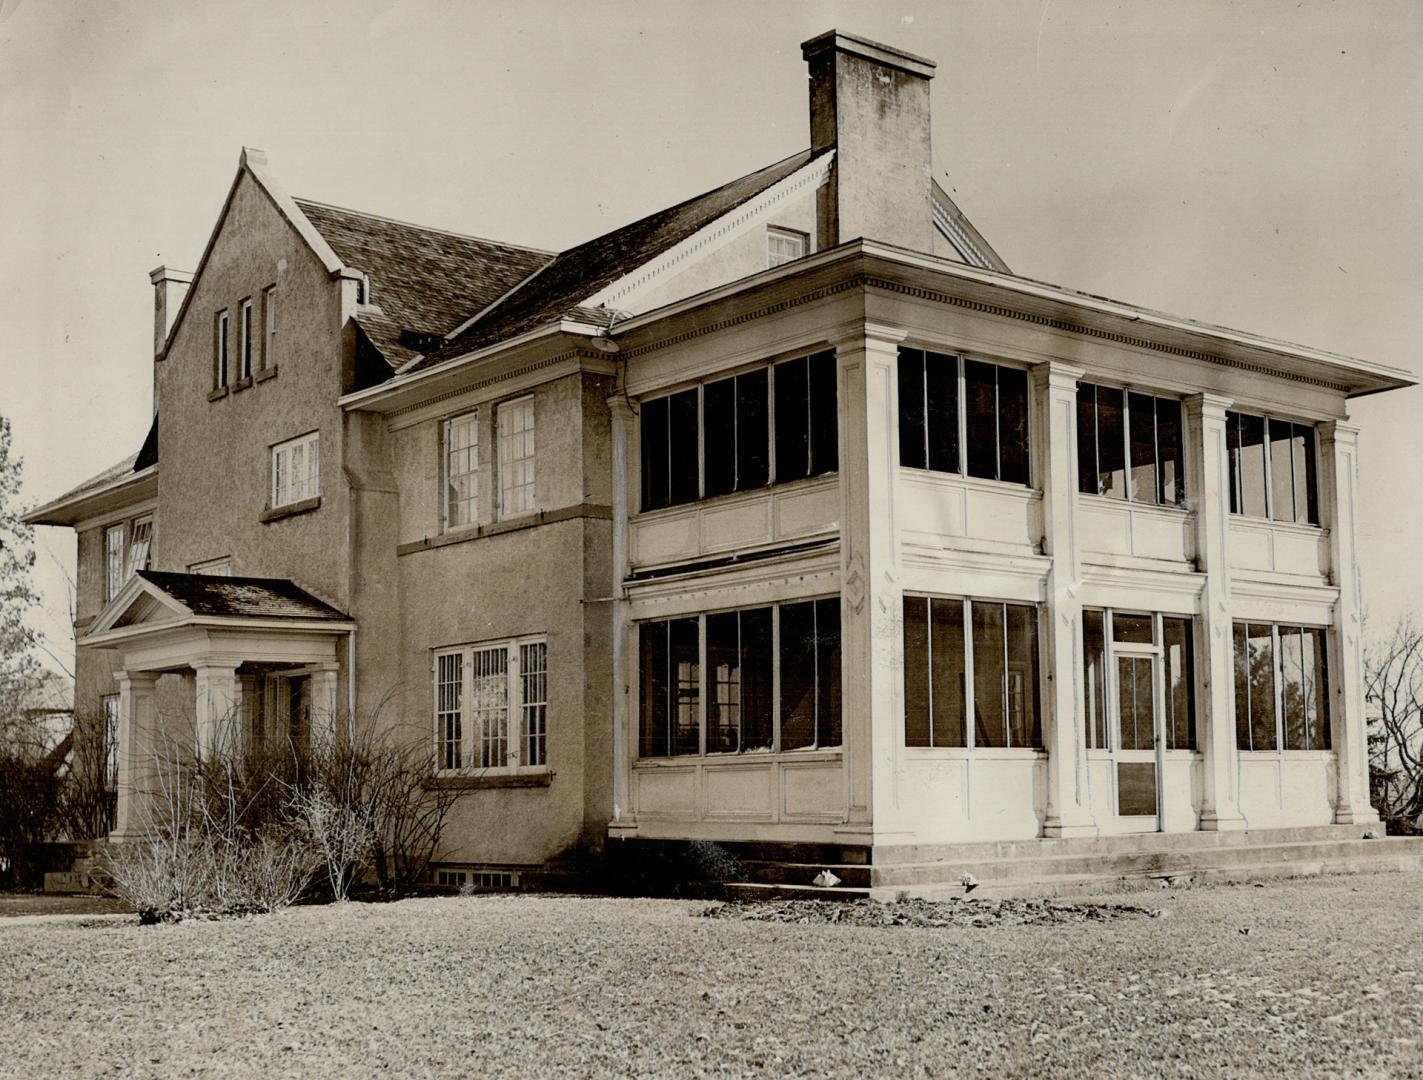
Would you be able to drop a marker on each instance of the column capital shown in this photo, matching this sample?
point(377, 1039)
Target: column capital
point(1208, 405)
point(1339, 432)
point(620, 406)
point(1056, 375)
point(135, 679)
point(209, 665)
point(865, 333)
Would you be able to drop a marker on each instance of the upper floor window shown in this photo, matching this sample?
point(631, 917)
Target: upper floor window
point(1272, 468)
point(221, 347)
point(220, 567)
point(114, 559)
point(491, 705)
point(296, 469)
point(269, 316)
point(770, 425)
point(963, 416)
point(515, 420)
point(244, 338)
point(967, 658)
point(784, 245)
point(140, 539)
point(462, 471)
point(1129, 445)
point(126, 551)
point(1281, 687)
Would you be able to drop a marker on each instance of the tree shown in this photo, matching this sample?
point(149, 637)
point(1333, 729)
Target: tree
point(1393, 677)
point(19, 667)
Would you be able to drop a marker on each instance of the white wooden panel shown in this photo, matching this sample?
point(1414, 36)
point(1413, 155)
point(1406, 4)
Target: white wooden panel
point(940, 510)
point(1006, 517)
point(1250, 546)
point(743, 792)
point(667, 791)
point(1161, 534)
point(812, 790)
point(806, 510)
point(1300, 552)
point(736, 524)
point(1104, 527)
point(668, 538)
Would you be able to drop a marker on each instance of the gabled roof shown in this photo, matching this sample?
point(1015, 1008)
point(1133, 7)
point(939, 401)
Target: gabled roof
point(423, 281)
point(205, 594)
point(555, 290)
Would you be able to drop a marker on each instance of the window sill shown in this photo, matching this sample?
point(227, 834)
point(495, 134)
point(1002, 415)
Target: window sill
point(1001, 487)
point(217, 394)
point(959, 753)
point(749, 757)
point(1302, 528)
point(535, 777)
point(242, 383)
point(265, 373)
point(825, 479)
point(464, 533)
point(301, 507)
point(1175, 509)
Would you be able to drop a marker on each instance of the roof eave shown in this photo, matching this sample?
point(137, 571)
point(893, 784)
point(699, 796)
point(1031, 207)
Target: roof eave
point(73, 507)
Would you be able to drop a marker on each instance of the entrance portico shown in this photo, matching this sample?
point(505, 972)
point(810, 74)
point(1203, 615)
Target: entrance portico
point(253, 653)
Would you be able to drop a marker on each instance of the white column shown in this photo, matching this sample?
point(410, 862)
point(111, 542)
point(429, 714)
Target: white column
point(1069, 811)
point(1339, 456)
point(218, 701)
point(624, 723)
point(871, 598)
point(137, 730)
point(324, 684)
point(1208, 485)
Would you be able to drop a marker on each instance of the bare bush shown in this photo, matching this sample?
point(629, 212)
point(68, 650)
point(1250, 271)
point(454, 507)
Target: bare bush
point(340, 834)
point(1393, 674)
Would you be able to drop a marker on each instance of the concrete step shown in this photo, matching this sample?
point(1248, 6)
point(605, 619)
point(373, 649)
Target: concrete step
point(755, 890)
point(797, 873)
point(1149, 841)
point(1134, 863)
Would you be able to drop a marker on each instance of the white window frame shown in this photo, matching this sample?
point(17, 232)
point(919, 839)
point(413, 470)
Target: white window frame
point(115, 542)
point(140, 544)
point(269, 311)
point(223, 334)
point(244, 339)
point(794, 244)
point(518, 479)
point(513, 732)
point(285, 490)
point(475, 472)
point(219, 567)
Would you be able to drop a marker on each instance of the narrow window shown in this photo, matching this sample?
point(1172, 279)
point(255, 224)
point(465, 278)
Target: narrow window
point(928, 410)
point(1260, 652)
point(996, 421)
point(1306, 485)
point(245, 339)
point(533, 702)
point(111, 741)
point(989, 722)
point(807, 427)
point(735, 433)
point(670, 686)
point(934, 672)
point(1245, 438)
point(516, 457)
point(1111, 443)
point(114, 559)
point(269, 312)
point(1170, 452)
point(296, 470)
point(140, 541)
point(1180, 683)
point(652, 422)
point(1094, 657)
point(220, 361)
point(1142, 443)
point(683, 440)
point(489, 706)
point(1021, 675)
point(784, 245)
point(449, 688)
point(739, 666)
point(810, 674)
point(462, 470)
point(1087, 439)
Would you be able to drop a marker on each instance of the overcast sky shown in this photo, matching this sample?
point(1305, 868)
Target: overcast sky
point(1253, 164)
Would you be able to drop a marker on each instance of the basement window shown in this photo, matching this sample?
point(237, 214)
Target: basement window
point(1281, 687)
point(963, 416)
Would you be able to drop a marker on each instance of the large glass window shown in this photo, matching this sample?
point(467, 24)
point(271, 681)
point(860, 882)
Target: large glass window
point(515, 429)
point(1129, 445)
point(462, 473)
point(1107, 635)
point(751, 655)
point(946, 401)
point(1272, 468)
point(1281, 700)
point(296, 470)
point(491, 705)
point(726, 435)
point(999, 671)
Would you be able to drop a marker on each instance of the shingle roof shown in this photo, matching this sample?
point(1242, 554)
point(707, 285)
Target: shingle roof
point(423, 280)
point(205, 594)
point(581, 271)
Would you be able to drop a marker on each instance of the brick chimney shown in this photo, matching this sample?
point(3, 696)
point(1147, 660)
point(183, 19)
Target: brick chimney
point(871, 103)
point(169, 288)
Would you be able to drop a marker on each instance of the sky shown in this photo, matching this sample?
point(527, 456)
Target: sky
point(1258, 165)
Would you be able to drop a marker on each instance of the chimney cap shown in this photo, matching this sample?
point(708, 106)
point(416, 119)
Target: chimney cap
point(168, 273)
point(869, 50)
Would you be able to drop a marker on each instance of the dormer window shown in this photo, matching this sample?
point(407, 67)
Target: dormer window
point(363, 289)
point(784, 245)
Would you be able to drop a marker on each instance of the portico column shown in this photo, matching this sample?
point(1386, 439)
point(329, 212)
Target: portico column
point(1215, 660)
point(1339, 453)
point(871, 600)
point(322, 714)
point(624, 737)
point(1069, 811)
point(136, 774)
point(218, 700)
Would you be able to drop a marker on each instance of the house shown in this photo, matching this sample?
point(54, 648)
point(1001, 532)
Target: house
point(787, 515)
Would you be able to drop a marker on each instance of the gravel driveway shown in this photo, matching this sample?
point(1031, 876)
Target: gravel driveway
point(1328, 980)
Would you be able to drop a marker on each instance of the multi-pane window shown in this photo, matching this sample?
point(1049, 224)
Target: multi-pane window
point(244, 338)
point(771, 680)
point(221, 351)
point(515, 425)
point(784, 245)
point(111, 741)
point(491, 705)
point(219, 567)
point(970, 658)
point(462, 471)
point(114, 559)
point(963, 416)
point(140, 540)
point(770, 425)
point(1102, 630)
point(296, 470)
point(1129, 445)
point(269, 315)
point(1281, 684)
point(1272, 468)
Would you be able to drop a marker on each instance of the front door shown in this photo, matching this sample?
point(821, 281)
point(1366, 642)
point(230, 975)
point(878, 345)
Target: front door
point(1137, 736)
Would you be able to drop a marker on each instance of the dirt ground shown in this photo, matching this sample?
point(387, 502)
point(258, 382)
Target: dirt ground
point(1314, 977)
point(14, 904)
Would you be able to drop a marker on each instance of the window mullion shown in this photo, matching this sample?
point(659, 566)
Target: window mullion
point(702, 675)
point(929, 639)
point(962, 417)
point(776, 678)
point(970, 712)
point(1007, 701)
point(924, 402)
point(1269, 478)
point(1156, 456)
point(1278, 665)
point(997, 427)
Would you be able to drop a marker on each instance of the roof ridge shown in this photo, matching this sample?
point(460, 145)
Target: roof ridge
point(302, 201)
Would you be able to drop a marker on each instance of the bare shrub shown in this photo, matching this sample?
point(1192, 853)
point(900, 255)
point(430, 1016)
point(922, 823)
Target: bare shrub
point(1393, 679)
point(340, 835)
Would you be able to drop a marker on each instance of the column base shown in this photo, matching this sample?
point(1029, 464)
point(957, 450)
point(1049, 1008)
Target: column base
point(1348, 815)
point(1069, 828)
point(1222, 823)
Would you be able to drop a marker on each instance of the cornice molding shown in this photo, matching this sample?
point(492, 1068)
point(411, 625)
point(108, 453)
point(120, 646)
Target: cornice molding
point(503, 376)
